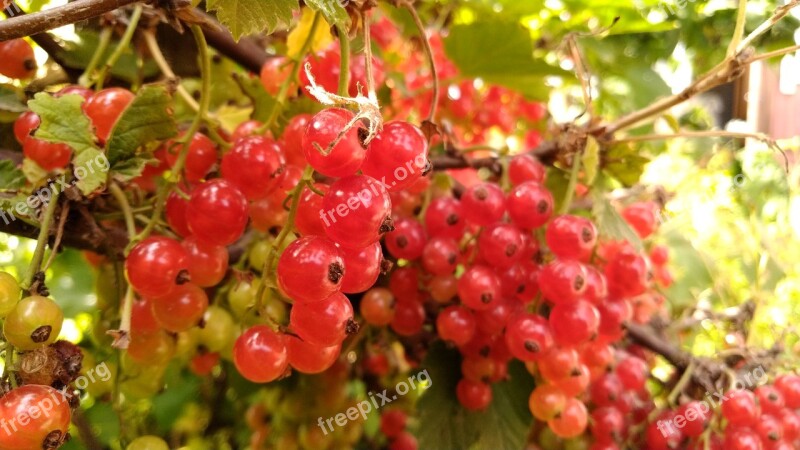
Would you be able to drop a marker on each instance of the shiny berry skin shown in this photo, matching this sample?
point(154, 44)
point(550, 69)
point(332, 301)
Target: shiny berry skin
point(33, 323)
point(274, 72)
point(18, 60)
point(393, 422)
point(175, 212)
point(742, 439)
point(363, 267)
point(608, 424)
point(309, 358)
point(208, 263)
point(572, 421)
point(326, 322)
point(530, 205)
point(180, 309)
point(443, 288)
point(9, 293)
point(104, 108)
point(596, 286)
point(325, 68)
point(562, 281)
point(404, 281)
point(528, 337)
point(35, 421)
point(309, 211)
point(741, 409)
point(662, 434)
point(76, 90)
point(346, 157)
point(626, 273)
point(440, 256)
point(479, 288)
point(154, 264)
point(477, 368)
point(500, 245)
point(142, 320)
point(483, 204)
point(770, 399)
point(790, 422)
point(398, 155)
point(493, 320)
point(444, 218)
point(356, 211)
point(606, 390)
point(575, 384)
point(641, 217)
point(558, 363)
point(571, 237)
point(377, 306)
point(524, 168)
point(407, 240)
point(632, 372)
point(546, 402)
point(203, 363)
point(25, 124)
point(292, 139)
point(574, 323)
point(217, 212)
point(473, 395)
point(246, 129)
point(47, 155)
point(260, 354)
point(612, 315)
point(409, 316)
point(311, 269)
point(200, 156)
point(255, 165)
point(456, 324)
point(789, 386)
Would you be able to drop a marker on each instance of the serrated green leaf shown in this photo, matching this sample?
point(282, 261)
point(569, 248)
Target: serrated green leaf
point(262, 101)
point(252, 16)
point(148, 118)
point(331, 10)
point(590, 159)
point(63, 121)
point(444, 424)
point(499, 53)
point(131, 168)
point(610, 223)
point(89, 174)
point(11, 177)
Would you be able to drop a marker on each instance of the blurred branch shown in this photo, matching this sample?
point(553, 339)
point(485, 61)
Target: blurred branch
point(546, 152)
point(21, 25)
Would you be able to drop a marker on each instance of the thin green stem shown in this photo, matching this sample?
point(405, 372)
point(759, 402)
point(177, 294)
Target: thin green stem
point(344, 61)
point(205, 98)
point(127, 213)
point(426, 45)
point(85, 79)
point(368, 59)
point(738, 31)
point(274, 249)
point(123, 45)
point(41, 242)
point(283, 94)
point(681, 385)
point(573, 181)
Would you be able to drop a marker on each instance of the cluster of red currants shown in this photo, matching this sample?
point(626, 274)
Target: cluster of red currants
point(103, 110)
point(31, 324)
point(766, 418)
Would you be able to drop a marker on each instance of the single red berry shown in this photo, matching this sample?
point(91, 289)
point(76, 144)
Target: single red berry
point(18, 60)
point(500, 245)
point(571, 237)
point(260, 354)
point(473, 395)
point(356, 211)
point(363, 267)
point(347, 153)
point(483, 204)
point(154, 264)
point(326, 322)
point(104, 109)
point(305, 357)
point(255, 165)
point(444, 218)
point(528, 337)
point(217, 212)
point(311, 269)
point(397, 156)
point(409, 316)
point(530, 205)
point(479, 288)
point(456, 324)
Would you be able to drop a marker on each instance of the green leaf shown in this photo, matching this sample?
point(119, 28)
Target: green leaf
point(624, 163)
point(167, 406)
point(609, 222)
point(262, 101)
point(11, 177)
point(148, 118)
point(252, 16)
point(590, 159)
point(63, 121)
point(331, 10)
point(90, 173)
point(11, 100)
point(444, 424)
point(131, 168)
point(499, 53)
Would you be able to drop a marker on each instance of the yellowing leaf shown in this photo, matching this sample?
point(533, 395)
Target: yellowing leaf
point(590, 160)
point(294, 42)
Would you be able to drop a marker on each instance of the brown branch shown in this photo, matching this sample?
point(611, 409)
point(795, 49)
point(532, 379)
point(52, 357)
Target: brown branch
point(22, 25)
point(546, 153)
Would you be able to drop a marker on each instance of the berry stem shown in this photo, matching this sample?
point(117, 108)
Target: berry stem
point(426, 45)
point(296, 65)
point(41, 242)
point(123, 45)
point(205, 98)
point(125, 207)
point(573, 181)
point(368, 59)
point(344, 60)
point(105, 38)
point(264, 293)
point(163, 65)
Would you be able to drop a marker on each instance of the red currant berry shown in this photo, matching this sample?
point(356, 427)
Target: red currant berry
point(641, 217)
point(217, 212)
point(180, 309)
point(741, 409)
point(47, 155)
point(479, 288)
point(574, 323)
point(309, 211)
point(326, 322)
point(356, 211)
point(311, 269)
point(175, 212)
point(207, 262)
point(440, 256)
point(562, 281)
point(363, 267)
point(456, 324)
point(18, 62)
point(572, 421)
point(473, 395)
point(770, 399)
point(377, 306)
point(34, 430)
point(444, 218)
point(274, 72)
point(105, 108)
point(632, 372)
point(483, 204)
point(393, 423)
point(407, 241)
point(397, 156)
point(500, 245)
point(409, 316)
point(200, 156)
point(260, 354)
point(528, 337)
point(608, 424)
point(571, 237)
point(25, 125)
point(309, 358)
point(255, 165)
point(292, 139)
point(346, 156)
point(530, 205)
point(524, 168)
point(154, 264)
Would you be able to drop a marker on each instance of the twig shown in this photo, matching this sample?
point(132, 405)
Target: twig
point(773, 54)
point(62, 219)
point(38, 22)
point(163, 65)
point(41, 242)
point(738, 31)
